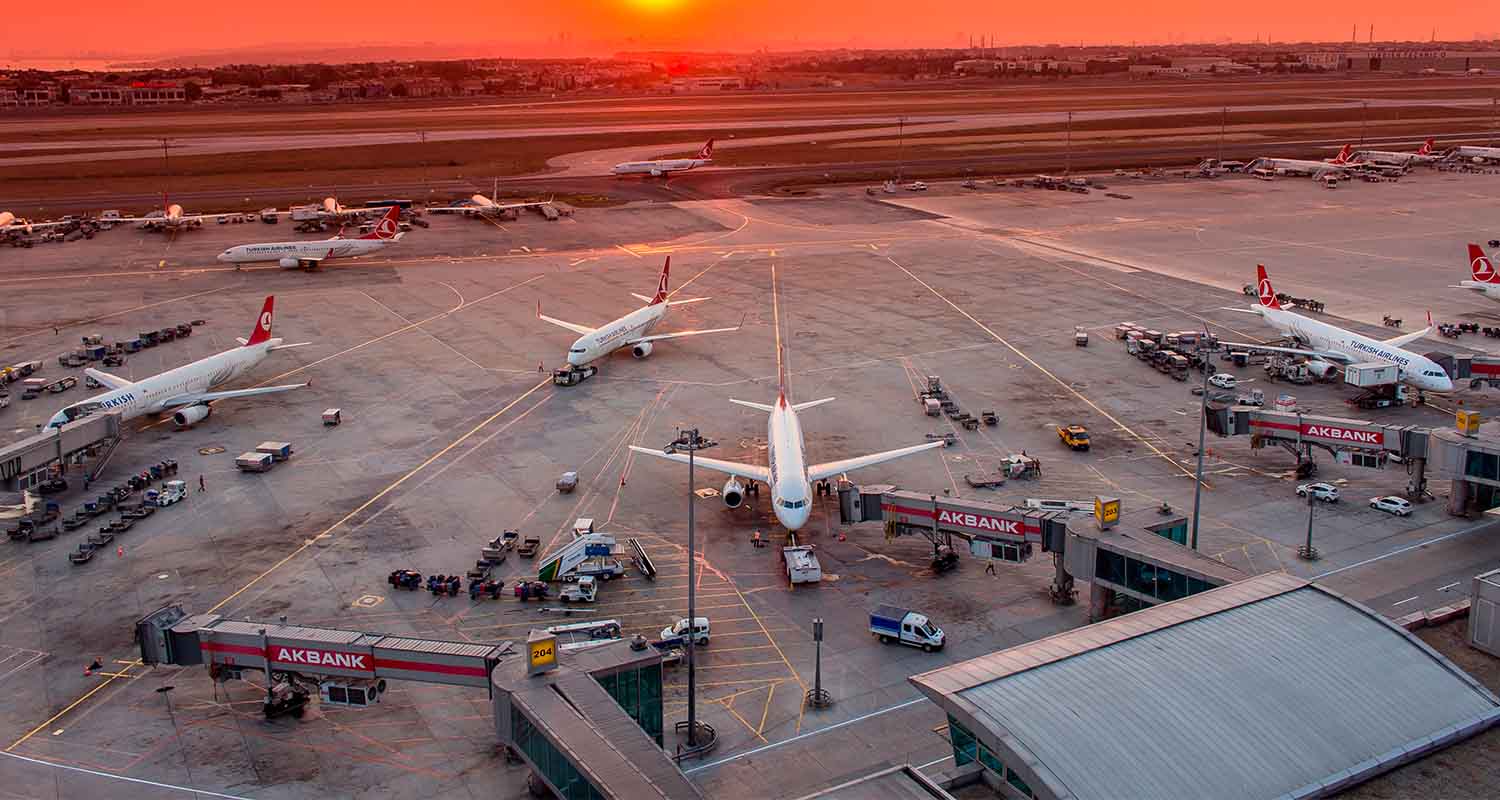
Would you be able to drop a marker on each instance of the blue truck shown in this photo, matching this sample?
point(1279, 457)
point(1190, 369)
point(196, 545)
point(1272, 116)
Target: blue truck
point(893, 624)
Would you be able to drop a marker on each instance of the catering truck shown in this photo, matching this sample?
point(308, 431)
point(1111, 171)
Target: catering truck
point(903, 625)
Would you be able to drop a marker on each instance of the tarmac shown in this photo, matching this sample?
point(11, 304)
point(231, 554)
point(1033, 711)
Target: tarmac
point(453, 431)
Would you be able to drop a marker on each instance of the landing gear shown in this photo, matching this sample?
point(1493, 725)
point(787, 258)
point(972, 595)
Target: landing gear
point(572, 376)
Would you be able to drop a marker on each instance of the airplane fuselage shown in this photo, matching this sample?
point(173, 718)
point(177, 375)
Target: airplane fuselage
point(320, 250)
point(149, 396)
point(1475, 151)
point(1415, 369)
point(1489, 290)
point(612, 336)
point(791, 492)
point(658, 167)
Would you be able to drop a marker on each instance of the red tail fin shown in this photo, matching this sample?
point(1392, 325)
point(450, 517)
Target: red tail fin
point(1426, 149)
point(661, 285)
point(262, 330)
point(707, 151)
point(1343, 156)
point(1480, 266)
point(1263, 288)
point(388, 226)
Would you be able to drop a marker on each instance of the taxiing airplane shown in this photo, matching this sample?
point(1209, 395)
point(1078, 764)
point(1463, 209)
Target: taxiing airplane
point(632, 330)
point(787, 473)
point(186, 390)
point(660, 167)
point(308, 255)
point(1334, 346)
point(1485, 280)
point(1423, 155)
point(489, 207)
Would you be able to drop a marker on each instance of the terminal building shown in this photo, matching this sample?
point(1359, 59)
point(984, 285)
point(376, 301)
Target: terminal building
point(1271, 687)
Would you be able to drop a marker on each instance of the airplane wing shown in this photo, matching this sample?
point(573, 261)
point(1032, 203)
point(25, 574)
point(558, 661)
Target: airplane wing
point(30, 226)
point(755, 472)
point(581, 330)
point(679, 334)
point(818, 472)
point(208, 397)
point(107, 379)
point(646, 299)
point(1294, 351)
point(1407, 338)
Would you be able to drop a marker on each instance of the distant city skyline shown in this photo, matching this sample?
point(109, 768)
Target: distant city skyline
point(95, 33)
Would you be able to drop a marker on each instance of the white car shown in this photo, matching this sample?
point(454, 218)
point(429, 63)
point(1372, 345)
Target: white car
point(1391, 504)
point(1223, 380)
point(916, 186)
point(1326, 492)
point(678, 632)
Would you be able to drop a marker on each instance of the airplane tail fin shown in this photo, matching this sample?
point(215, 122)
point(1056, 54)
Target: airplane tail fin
point(388, 226)
point(1343, 156)
point(661, 284)
point(262, 330)
point(1426, 149)
point(706, 153)
point(1263, 288)
point(1480, 266)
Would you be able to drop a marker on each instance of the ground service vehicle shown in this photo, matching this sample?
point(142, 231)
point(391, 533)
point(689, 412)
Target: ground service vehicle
point(1223, 380)
point(893, 624)
point(584, 591)
point(1076, 437)
point(677, 633)
point(171, 492)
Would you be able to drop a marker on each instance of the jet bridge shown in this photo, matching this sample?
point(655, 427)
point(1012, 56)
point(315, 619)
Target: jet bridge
point(1350, 441)
point(27, 462)
point(995, 531)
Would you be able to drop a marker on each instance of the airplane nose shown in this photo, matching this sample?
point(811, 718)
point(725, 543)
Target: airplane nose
point(224, 256)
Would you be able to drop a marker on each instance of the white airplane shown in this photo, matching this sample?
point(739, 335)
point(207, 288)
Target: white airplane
point(661, 167)
point(1295, 166)
point(632, 330)
point(1485, 280)
point(170, 218)
point(332, 209)
point(1475, 153)
point(787, 475)
point(1424, 155)
point(481, 206)
point(1333, 346)
point(185, 391)
point(308, 255)
point(10, 222)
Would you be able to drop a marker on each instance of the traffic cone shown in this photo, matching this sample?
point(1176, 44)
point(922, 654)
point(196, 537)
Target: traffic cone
point(120, 551)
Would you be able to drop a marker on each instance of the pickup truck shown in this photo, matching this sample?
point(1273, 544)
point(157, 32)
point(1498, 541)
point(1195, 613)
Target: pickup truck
point(892, 624)
point(1076, 437)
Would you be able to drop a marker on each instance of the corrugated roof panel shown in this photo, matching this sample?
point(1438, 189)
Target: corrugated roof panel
point(435, 646)
point(1255, 701)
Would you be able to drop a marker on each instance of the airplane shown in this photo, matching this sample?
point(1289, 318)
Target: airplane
point(481, 206)
point(787, 473)
point(658, 168)
point(332, 209)
point(1333, 346)
point(308, 255)
point(10, 222)
point(632, 330)
point(1475, 153)
point(170, 218)
point(1294, 166)
point(185, 390)
point(1423, 155)
point(1348, 159)
point(1485, 280)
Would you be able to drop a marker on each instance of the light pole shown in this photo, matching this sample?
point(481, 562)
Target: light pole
point(1068, 156)
point(1202, 433)
point(1306, 552)
point(1362, 119)
point(816, 696)
point(692, 442)
point(1223, 123)
point(900, 145)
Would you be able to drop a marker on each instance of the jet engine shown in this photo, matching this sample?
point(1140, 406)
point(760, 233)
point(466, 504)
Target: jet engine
point(289, 263)
point(642, 350)
point(734, 493)
point(1322, 370)
point(191, 415)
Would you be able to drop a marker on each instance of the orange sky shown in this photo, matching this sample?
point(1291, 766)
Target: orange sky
point(71, 29)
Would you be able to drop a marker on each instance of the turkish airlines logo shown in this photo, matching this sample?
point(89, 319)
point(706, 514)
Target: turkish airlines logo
point(323, 658)
point(1343, 434)
point(386, 228)
point(265, 321)
point(1267, 294)
point(1483, 270)
point(995, 524)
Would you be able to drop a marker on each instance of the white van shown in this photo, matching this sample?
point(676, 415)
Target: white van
point(677, 633)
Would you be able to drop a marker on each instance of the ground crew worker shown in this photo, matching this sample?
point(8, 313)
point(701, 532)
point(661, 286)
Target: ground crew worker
point(200, 484)
point(989, 566)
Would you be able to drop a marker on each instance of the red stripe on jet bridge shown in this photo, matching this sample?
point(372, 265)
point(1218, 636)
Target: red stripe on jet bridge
point(927, 512)
point(1280, 426)
point(238, 649)
point(423, 666)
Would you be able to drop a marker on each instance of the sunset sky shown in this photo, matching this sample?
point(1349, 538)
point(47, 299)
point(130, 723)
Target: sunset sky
point(600, 27)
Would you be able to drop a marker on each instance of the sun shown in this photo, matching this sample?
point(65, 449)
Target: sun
point(655, 6)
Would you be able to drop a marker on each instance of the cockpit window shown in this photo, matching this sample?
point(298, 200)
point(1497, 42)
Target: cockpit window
point(575, 350)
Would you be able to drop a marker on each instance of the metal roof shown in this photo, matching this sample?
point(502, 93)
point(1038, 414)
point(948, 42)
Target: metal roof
point(1270, 687)
point(895, 783)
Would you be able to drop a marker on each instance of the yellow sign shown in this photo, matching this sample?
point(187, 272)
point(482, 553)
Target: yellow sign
point(1468, 423)
point(1106, 510)
point(541, 652)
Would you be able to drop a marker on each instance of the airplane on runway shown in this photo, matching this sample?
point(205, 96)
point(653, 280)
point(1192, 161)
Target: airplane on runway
point(1423, 155)
point(1485, 280)
point(308, 255)
point(1329, 346)
point(185, 391)
point(661, 167)
point(632, 330)
point(487, 207)
point(787, 473)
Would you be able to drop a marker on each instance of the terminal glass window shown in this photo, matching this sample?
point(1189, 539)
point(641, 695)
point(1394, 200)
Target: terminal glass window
point(965, 746)
point(638, 691)
point(552, 765)
point(1485, 466)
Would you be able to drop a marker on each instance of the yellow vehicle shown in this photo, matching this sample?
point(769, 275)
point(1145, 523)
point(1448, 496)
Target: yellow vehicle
point(1075, 437)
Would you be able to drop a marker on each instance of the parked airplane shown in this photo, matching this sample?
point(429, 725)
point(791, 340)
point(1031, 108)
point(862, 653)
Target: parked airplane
point(1485, 280)
point(481, 206)
point(787, 474)
point(632, 330)
point(660, 167)
point(1333, 345)
point(1295, 166)
point(334, 211)
point(308, 255)
point(185, 391)
point(1476, 153)
point(170, 218)
point(1423, 155)
point(10, 222)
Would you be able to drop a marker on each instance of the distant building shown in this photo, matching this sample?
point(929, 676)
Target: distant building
point(1402, 60)
point(707, 83)
point(1155, 70)
point(102, 95)
point(978, 66)
point(155, 94)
